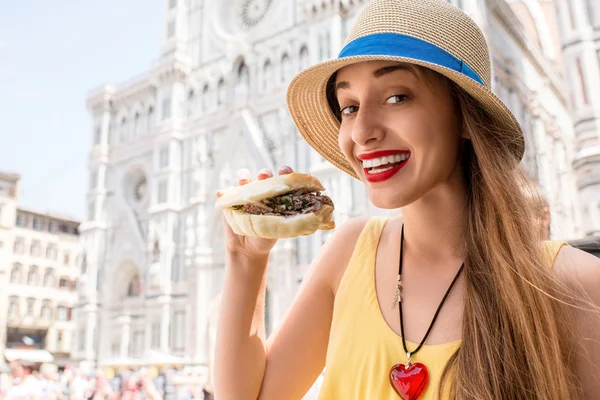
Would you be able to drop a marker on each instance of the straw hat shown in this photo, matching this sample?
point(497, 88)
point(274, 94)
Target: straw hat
point(429, 33)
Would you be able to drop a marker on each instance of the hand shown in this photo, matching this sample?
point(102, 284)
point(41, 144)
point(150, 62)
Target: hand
point(245, 245)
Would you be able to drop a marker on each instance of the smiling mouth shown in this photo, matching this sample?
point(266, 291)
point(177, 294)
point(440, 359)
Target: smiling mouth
point(385, 163)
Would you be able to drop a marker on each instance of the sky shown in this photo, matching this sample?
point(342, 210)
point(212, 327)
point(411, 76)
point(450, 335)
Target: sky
point(52, 54)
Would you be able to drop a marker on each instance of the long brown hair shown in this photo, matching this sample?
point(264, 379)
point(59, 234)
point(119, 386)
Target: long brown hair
point(515, 343)
point(517, 339)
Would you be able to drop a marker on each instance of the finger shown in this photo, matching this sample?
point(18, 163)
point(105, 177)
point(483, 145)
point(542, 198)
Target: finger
point(228, 230)
point(264, 174)
point(285, 170)
point(244, 176)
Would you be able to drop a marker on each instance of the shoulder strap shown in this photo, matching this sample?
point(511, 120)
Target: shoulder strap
point(363, 255)
point(552, 249)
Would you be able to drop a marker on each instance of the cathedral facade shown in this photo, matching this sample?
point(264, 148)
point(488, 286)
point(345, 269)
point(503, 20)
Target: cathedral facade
point(214, 102)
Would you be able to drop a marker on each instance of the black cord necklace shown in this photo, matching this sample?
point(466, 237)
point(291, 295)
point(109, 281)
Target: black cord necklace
point(409, 380)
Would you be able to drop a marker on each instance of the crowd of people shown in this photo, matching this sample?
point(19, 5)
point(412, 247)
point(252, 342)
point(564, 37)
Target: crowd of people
point(25, 380)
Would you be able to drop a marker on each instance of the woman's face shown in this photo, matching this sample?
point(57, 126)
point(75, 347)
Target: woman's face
point(400, 130)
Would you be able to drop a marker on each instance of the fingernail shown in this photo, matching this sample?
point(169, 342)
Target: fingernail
point(263, 173)
point(243, 175)
point(286, 169)
point(219, 193)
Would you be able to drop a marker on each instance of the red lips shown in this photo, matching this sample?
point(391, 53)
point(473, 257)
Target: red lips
point(385, 175)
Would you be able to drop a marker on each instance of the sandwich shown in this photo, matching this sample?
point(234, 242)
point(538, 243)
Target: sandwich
point(283, 206)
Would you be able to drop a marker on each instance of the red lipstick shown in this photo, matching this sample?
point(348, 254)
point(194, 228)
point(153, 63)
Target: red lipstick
point(387, 174)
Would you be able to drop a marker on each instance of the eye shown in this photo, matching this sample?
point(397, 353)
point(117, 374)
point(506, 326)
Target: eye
point(397, 98)
point(349, 110)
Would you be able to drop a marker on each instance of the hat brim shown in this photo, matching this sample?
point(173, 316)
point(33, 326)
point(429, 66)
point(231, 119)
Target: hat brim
point(310, 110)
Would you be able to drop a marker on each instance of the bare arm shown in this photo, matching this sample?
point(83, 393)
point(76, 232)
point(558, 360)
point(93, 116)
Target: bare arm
point(296, 351)
point(285, 367)
point(585, 269)
point(240, 350)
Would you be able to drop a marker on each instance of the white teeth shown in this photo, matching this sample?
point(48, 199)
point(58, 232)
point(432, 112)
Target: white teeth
point(377, 162)
point(378, 170)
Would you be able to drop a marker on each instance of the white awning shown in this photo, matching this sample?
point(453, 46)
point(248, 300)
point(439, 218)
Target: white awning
point(154, 357)
point(31, 355)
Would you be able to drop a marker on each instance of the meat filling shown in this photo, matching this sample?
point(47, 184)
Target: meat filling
point(287, 205)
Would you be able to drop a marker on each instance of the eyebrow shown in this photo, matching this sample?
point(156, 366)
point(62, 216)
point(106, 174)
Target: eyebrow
point(381, 72)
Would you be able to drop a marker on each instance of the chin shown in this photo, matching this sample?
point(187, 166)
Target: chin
point(388, 199)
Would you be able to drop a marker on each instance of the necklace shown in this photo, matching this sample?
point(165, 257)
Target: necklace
point(410, 380)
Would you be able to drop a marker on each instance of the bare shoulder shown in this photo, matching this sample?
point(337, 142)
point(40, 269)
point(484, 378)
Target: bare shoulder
point(581, 266)
point(339, 248)
point(584, 269)
point(350, 229)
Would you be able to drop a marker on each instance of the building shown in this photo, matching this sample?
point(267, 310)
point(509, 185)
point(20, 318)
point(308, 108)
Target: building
point(39, 267)
point(214, 102)
point(579, 22)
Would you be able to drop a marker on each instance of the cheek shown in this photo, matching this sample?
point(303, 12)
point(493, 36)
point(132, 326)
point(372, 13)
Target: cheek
point(436, 139)
point(346, 146)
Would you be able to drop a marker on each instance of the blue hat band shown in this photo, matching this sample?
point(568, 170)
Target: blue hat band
point(398, 45)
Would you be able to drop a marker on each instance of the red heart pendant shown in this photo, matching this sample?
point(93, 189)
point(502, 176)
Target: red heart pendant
point(409, 382)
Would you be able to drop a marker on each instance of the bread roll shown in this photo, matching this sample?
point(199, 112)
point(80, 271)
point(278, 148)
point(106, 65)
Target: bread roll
point(274, 226)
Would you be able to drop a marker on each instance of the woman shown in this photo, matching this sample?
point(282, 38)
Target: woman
point(458, 298)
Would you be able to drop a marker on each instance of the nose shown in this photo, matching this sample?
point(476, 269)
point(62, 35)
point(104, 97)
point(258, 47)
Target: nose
point(367, 126)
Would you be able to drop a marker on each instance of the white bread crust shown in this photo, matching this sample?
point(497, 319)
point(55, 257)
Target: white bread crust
point(264, 189)
point(279, 227)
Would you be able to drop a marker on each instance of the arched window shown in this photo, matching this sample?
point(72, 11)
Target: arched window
point(13, 306)
point(51, 251)
point(30, 306)
point(123, 134)
point(46, 313)
point(49, 278)
point(136, 125)
point(242, 88)
point(267, 75)
point(35, 248)
point(286, 67)
point(150, 121)
point(16, 275)
point(134, 287)
point(205, 97)
point(33, 275)
point(303, 58)
point(84, 264)
point(191, 102)
point(221, 92)
point(156, 251)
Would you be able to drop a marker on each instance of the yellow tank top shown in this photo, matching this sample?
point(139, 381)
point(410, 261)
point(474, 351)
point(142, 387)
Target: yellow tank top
point(362, 347)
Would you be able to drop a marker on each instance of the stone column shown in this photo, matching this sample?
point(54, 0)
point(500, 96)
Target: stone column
point(165, 320)
point(51, 340)
point(279, 282)
point(3, 310)
point(90, 331)
point(125, 322)
point(204, 299)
